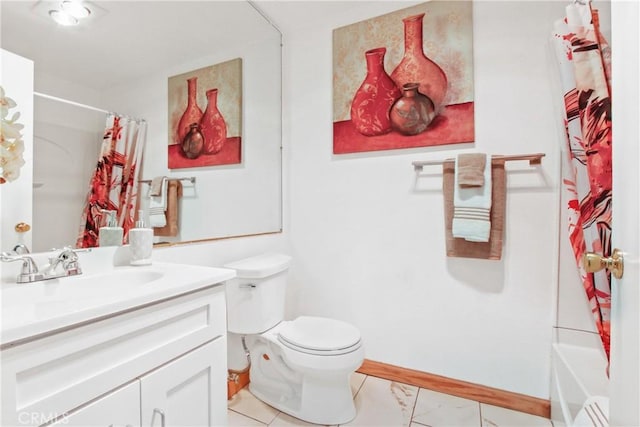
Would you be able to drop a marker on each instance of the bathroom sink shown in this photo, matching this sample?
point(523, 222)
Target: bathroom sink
point(108, 282)
point(40, 307)
point(79, 287)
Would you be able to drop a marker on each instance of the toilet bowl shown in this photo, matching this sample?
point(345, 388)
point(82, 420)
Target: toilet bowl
point(301, 367)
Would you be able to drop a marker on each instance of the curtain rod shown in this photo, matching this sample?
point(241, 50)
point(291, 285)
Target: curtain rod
point(66, 101)
point(534, 159)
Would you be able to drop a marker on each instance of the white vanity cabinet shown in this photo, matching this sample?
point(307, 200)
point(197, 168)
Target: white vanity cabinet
point(186, 392)
point(163, 361)
point(120, 408)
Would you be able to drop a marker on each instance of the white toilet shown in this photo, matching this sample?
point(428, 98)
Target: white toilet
point(301, 367)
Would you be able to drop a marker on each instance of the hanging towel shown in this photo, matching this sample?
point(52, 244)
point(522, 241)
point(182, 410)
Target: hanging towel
point(171, 229)
point(158, 202)
point(461, 248)
point(472, 206)
point(594, 413)
point(471, 169)
point(155, 189)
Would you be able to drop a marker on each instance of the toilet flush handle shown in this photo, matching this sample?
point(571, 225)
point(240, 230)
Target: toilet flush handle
point(247, 286)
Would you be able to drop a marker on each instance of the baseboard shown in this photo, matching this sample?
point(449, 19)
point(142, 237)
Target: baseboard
point(467, 390)
point(240, 380)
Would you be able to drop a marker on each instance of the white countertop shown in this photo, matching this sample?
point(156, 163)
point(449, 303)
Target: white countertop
point(37, 308)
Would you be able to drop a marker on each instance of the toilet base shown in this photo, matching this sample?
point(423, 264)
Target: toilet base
point(319, 396)
point(321, 400)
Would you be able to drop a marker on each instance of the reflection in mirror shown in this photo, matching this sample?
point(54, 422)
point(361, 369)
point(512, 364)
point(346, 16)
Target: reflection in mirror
point(120, 60)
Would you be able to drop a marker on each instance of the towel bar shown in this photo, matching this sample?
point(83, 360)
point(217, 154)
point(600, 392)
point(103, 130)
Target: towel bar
point(191, 179)
point(534, 159)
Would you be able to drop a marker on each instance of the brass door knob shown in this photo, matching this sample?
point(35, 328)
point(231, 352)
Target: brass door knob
point(22, 227)
point(594, 262)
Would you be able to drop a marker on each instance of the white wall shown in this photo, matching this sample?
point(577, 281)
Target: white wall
point(368, 237)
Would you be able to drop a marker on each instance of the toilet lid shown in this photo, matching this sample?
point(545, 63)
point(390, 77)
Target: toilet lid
point(319, 335)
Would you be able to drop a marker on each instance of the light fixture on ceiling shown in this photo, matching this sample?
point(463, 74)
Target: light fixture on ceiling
point(63, 18)
point(70, 13)
point(77, 9)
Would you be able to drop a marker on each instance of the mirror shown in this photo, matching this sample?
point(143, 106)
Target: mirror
point(120, 60)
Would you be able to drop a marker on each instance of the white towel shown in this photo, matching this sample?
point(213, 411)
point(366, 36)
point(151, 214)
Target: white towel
point(158, 206)
point(594, 413)
point(472, 208)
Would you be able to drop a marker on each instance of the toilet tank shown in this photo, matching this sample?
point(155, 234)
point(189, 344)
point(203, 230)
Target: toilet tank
point(255, 298)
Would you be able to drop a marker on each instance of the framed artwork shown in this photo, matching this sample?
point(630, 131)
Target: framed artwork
point(205, 116)
point(404, 79)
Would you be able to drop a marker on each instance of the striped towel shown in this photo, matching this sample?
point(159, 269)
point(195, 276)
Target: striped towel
point(472, 207)
point(594, 413)
point(158, 204)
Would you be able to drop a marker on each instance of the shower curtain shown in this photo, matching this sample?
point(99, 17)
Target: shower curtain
point(585, 62)
point(114, 182)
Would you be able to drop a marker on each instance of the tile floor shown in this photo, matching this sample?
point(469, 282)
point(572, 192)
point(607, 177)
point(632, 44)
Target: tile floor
point(389, 404)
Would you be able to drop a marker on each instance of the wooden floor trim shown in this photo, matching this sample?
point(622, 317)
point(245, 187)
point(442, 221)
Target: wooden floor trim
point(467, 390)
point(236, 381)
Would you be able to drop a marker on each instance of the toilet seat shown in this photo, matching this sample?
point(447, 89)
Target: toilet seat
point(320, 336)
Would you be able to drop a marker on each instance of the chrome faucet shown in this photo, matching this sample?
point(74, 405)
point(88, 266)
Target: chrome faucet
point(68, 258)
point(21, 249)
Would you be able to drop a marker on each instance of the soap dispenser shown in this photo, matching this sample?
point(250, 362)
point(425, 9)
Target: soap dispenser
point(110, 234)
point(140, 242)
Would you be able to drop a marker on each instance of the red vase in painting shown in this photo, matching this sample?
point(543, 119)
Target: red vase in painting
point(212, 125)
point(416, 67)
point(413, 112)
point(192, 114)
point(373, 100)
point(193, 142)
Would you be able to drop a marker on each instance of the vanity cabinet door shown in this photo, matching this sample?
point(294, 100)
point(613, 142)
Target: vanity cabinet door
point(188, 391)
point(120, 408)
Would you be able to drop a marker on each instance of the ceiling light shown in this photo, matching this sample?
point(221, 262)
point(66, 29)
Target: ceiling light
point(69, 12)
point(63, 18)
point(75, 9)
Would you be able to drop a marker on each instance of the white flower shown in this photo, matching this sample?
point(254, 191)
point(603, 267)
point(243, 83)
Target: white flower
point(11, 144)
point(12, 172)
point(10, 129)
point(14, 150)
point(6, 103)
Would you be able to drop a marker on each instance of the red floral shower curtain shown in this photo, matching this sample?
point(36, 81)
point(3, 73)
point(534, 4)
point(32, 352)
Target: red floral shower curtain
point(114, 182)
point(584, 58)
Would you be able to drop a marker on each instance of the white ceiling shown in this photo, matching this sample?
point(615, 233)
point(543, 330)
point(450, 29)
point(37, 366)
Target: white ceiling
point(124, 40)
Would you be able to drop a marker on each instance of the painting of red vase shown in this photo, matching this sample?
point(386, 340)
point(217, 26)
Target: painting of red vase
point(404, 79)
point(205, 116)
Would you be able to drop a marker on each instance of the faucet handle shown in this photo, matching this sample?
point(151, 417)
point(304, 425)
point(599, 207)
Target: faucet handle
point(29, 272)
point(8, 256)
point(68, 256)
point(28, 264)
point(69, 259)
